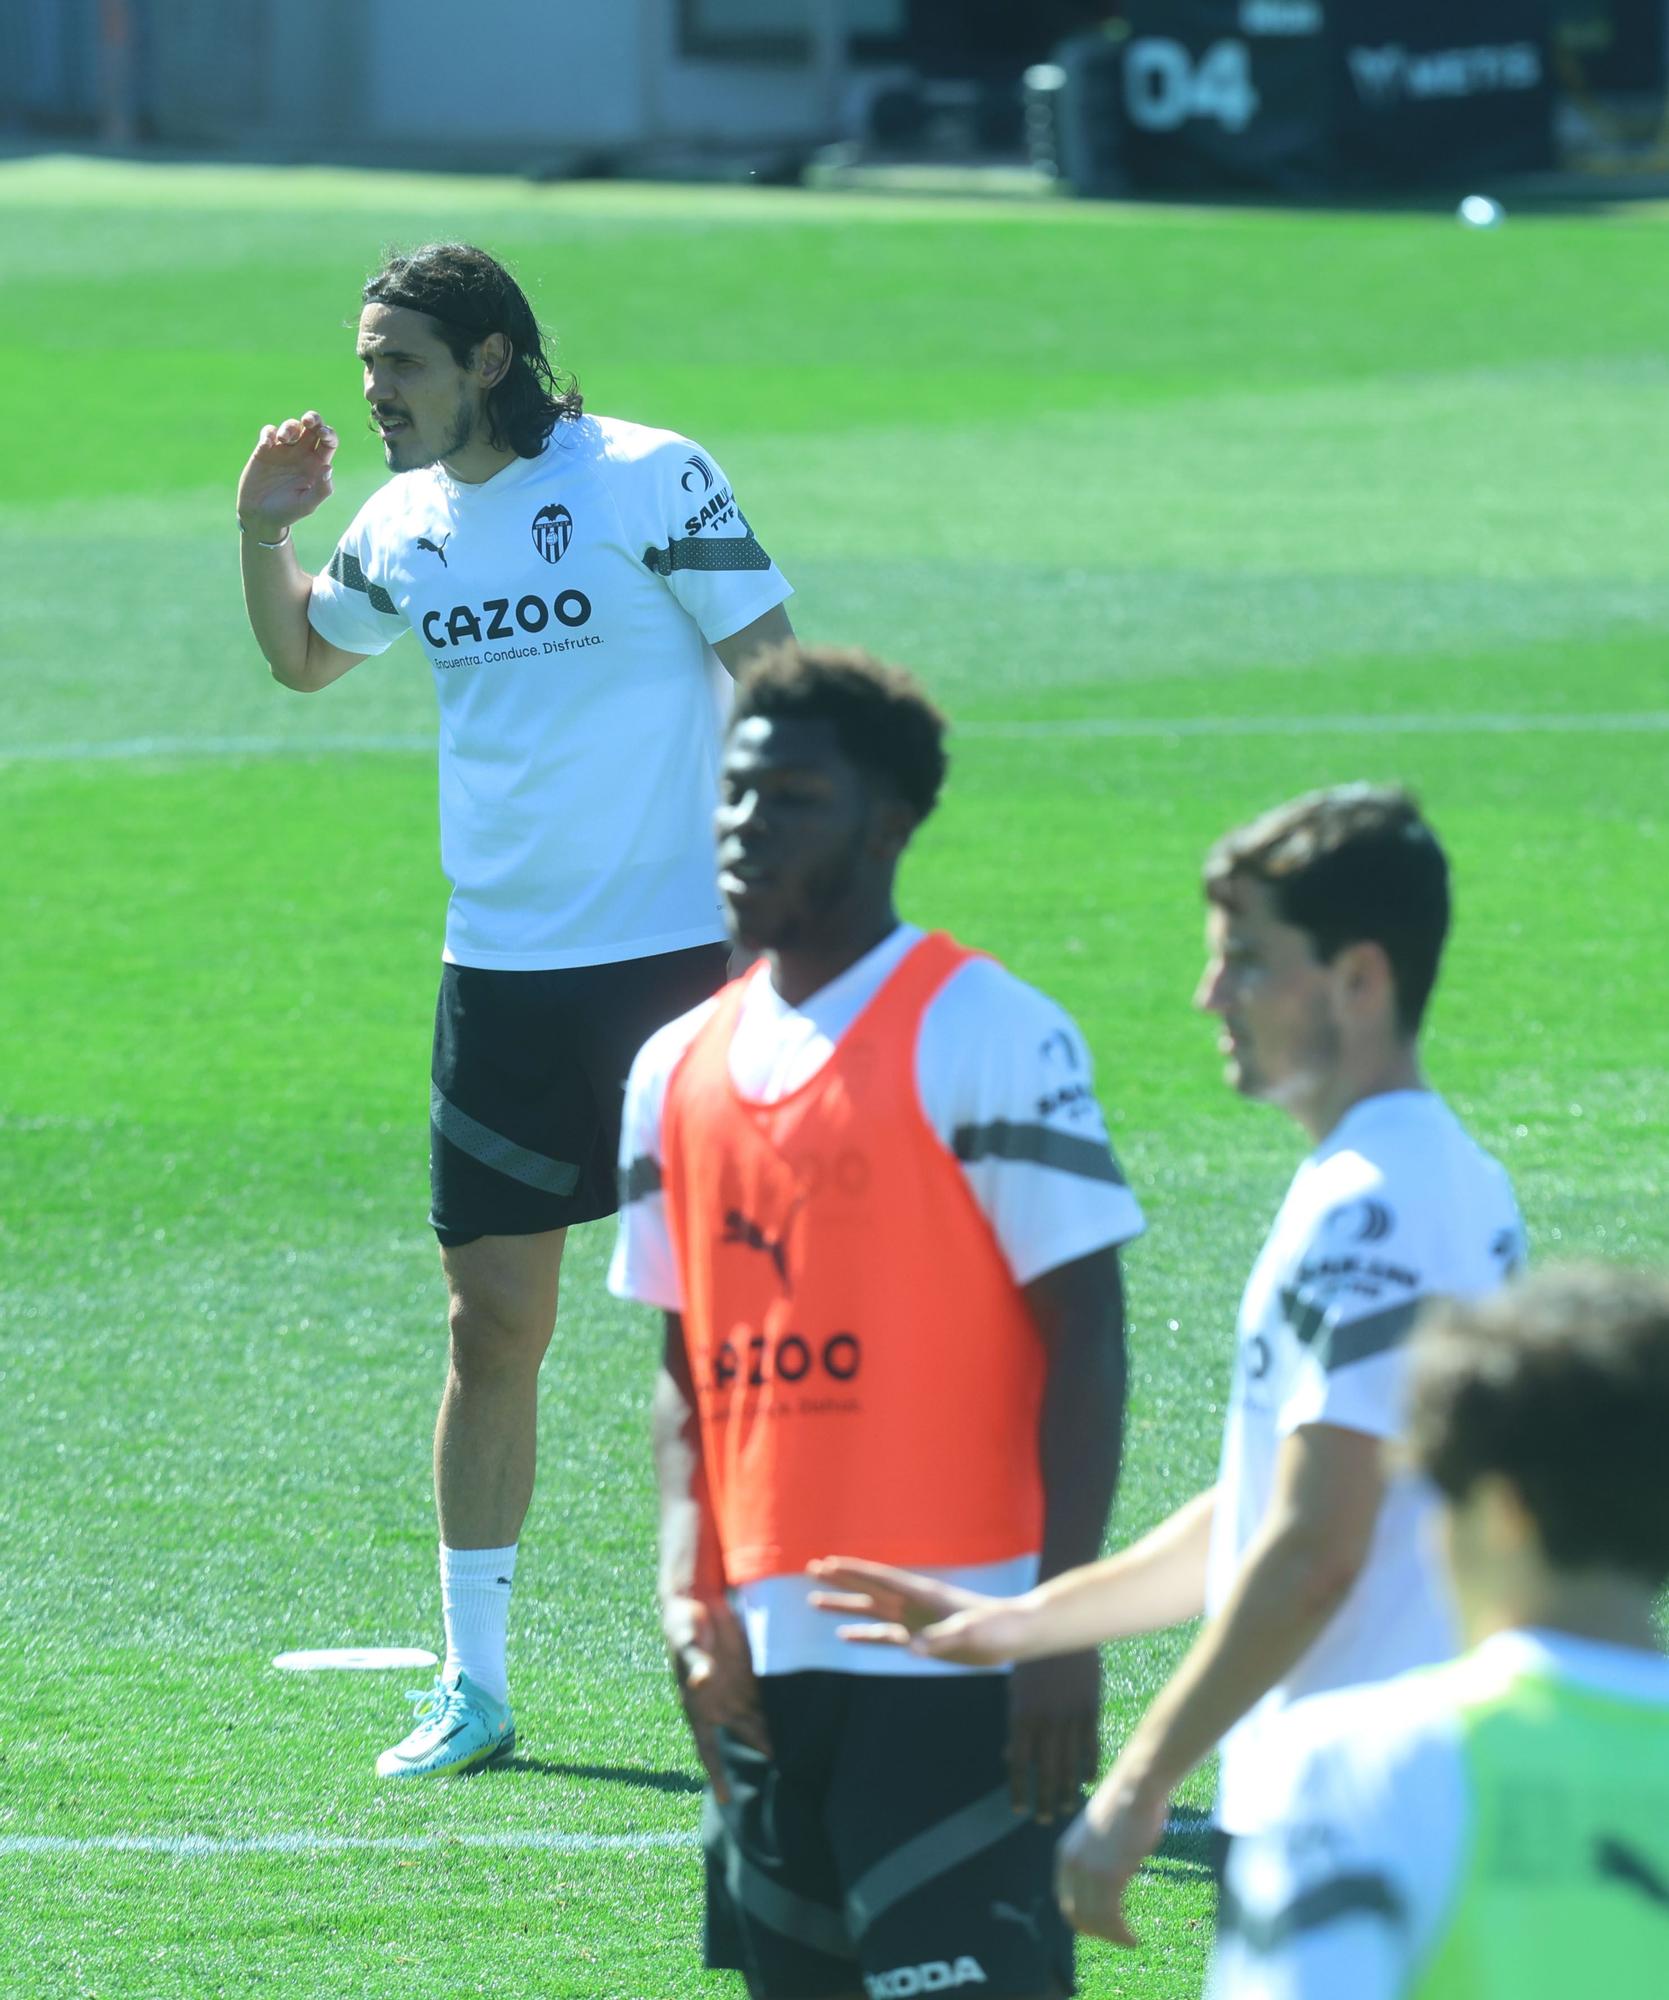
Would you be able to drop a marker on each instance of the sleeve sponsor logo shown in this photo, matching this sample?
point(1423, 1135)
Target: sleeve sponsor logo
point(553, 530)
point(1364, 1221)
point(1322, 1281)
point(1076, 1100)
point(714, 513)
point(698, 475)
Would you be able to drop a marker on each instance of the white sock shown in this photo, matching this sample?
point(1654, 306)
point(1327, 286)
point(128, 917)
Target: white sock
point(475, 1601)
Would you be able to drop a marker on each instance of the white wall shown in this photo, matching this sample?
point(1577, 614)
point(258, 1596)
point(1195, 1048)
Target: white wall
point(515, 72)
point(560, 73)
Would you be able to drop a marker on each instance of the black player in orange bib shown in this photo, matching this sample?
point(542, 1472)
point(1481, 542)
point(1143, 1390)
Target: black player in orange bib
point(871, 1188)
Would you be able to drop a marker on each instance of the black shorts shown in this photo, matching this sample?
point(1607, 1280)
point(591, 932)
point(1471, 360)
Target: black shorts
point(527, 1081)
point(876, 1850)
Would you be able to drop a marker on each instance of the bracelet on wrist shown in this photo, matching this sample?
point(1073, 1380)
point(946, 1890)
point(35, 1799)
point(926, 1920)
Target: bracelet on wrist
point(282, 539)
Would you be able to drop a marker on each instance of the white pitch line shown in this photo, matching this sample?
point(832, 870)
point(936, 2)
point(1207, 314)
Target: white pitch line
point(206, 1847)
point(1144, 727)
point(1322, 725)
point(209, 1847)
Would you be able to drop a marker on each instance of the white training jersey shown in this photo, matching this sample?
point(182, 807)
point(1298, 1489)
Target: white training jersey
point(1362, 1868)
point(992, 1054)
point(1396, 1206)
point(568, 607)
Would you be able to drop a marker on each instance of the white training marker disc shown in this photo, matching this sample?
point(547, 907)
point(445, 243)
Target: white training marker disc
point(355, 1659)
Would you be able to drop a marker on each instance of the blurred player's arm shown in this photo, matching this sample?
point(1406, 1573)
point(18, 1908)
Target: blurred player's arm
point(1295, 1574)
point(286, 478)
point(704, 1638)
point(773, 629)
point(1157, 1581)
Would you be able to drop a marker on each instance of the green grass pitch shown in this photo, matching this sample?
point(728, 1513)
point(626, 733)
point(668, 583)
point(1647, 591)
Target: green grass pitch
point(1179, 512)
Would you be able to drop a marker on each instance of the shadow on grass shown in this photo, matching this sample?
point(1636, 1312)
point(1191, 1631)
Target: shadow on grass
point(610, 1774)
point(1187, 1848)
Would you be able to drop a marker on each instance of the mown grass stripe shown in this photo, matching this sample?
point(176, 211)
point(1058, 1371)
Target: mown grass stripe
point(1143, 726)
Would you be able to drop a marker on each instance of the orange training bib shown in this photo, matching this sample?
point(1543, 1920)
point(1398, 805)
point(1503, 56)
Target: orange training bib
point(867, 1372)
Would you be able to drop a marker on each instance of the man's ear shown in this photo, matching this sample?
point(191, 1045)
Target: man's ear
point(1364, 982)
point(493, 358)
point(892, 826)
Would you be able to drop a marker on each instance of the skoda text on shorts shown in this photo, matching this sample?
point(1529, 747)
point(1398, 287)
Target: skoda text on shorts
point(871, 1189)
point(579, 585)
point(1325, 926)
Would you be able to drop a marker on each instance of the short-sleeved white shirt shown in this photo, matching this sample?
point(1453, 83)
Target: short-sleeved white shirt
point(1397, 1206)
point(568, 607)
point(1350, 1887)
point(993, 1055)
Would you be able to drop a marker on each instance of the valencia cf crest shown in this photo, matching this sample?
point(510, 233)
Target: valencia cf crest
point(553, 530)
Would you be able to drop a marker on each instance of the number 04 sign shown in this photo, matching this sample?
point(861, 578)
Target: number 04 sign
point(1166, 84)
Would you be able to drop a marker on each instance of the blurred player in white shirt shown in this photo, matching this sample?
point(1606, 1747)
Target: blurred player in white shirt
point(1325, 927)
point(1496, 1828)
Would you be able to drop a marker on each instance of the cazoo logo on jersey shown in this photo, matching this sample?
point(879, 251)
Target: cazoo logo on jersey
point(497, 618)
point(938, 1975)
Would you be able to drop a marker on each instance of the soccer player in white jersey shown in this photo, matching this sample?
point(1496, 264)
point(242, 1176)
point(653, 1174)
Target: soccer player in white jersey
point(1496, 1828)
point(577, 584)
point(871, 1190)
point(1325, 926)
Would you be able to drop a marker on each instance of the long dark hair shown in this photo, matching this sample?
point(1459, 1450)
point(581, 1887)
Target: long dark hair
point(469, 295)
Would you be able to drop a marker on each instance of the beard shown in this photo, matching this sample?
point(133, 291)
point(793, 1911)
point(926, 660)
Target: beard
point(405, 454)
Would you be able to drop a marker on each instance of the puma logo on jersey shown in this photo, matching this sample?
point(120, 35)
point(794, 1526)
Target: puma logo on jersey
point(938, 1975)
point(738, 1229)
point(1028, 1919)
point(435, 548)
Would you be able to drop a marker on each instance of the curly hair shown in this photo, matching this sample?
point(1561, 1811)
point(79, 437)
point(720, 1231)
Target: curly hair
point(1352, 865)
point(470, 295)
point(884, 723)
point(1560, 1385)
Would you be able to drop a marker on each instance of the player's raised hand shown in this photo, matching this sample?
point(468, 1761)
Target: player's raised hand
point(938, 1621)
point(709, 1652)
point(287, 476)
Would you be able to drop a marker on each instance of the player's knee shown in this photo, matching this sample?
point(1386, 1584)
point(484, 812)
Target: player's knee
point(491, 1337)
